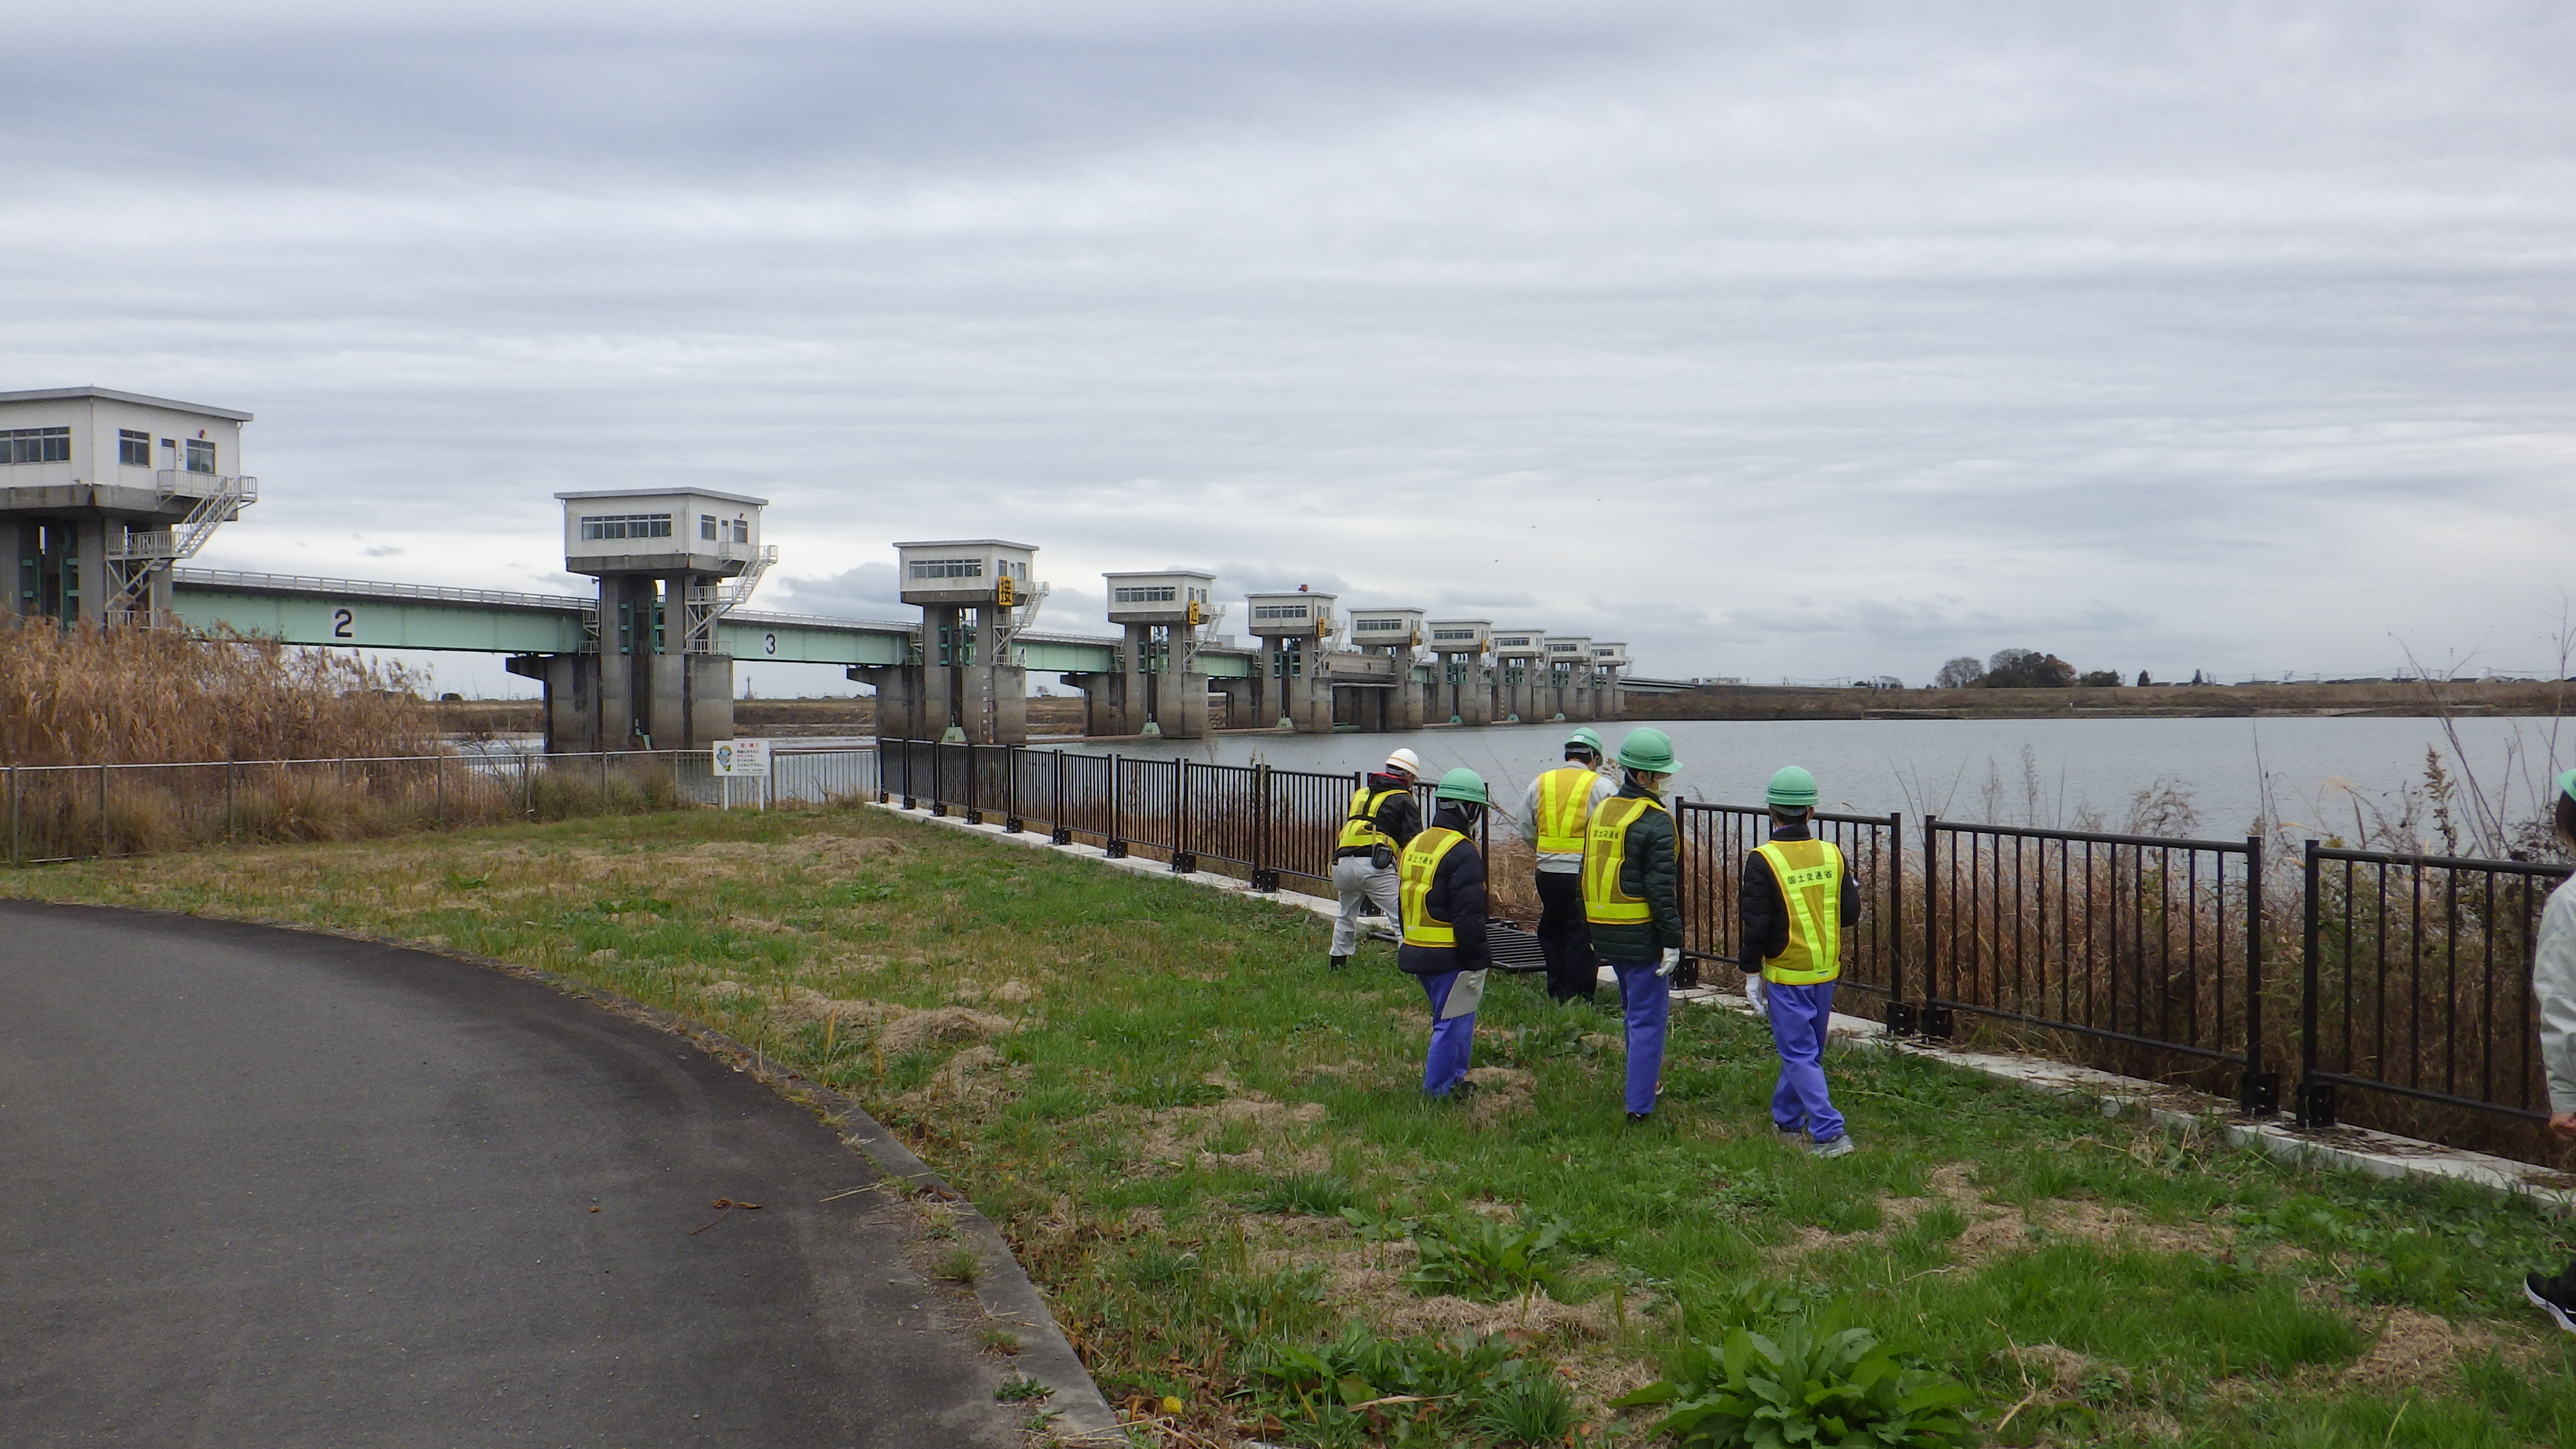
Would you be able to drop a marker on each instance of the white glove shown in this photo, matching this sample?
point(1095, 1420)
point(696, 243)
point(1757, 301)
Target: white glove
point(1759, 993)
point(1672, 958)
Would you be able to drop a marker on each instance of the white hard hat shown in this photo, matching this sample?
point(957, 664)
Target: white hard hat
point(1407, 761)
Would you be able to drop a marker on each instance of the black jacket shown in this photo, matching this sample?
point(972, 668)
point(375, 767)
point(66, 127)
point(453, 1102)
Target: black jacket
point(1400, 818)
point(1458, 897)
point(1766, 914)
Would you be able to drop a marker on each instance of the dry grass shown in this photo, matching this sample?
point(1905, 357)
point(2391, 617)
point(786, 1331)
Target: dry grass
point(131, 696)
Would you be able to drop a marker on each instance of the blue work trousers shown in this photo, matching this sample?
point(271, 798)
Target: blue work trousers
point(1799, 1016)
point(1451, 1041)
point(1647, 1001)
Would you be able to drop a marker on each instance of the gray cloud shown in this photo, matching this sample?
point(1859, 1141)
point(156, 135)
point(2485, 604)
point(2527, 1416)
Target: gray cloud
point(1777, 339)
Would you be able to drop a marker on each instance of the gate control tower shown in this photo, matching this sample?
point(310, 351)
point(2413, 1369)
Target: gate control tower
point(967, 684)
point(1394, 634)
point(102, 492)
point(1160, 688)
point(1569, 679)
point(670, 563)
point(1296, 631)
point(1520, 668)
point(1460, 691)
point(1608, 658)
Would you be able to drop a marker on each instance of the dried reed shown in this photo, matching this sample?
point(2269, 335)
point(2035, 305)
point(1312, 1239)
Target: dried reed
point(133, 696)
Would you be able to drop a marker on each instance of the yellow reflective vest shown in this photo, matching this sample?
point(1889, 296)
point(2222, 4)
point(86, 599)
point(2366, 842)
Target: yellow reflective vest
point(1810, 876)
point(1415, 871)
point(1361, 830)
point(1605, 855)
point(1564, 809)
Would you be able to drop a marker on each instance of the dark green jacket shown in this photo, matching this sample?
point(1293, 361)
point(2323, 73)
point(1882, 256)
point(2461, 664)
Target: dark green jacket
point(1651, 872)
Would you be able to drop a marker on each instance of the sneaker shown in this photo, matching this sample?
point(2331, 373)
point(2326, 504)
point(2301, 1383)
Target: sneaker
point(2536, 1288)
point(1341, 961)
point(1841, 1146)
point(1640, 1119)
point(1788, 1131)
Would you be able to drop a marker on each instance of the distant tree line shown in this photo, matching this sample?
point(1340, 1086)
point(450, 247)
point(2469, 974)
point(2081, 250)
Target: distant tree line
point(2024, 669)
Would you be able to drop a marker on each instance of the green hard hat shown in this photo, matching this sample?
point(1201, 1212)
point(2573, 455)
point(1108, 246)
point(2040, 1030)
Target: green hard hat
point(1462, 784)
point(1588, 737)
point(1648, 752)
point(1792, 788)
point(2567, 783)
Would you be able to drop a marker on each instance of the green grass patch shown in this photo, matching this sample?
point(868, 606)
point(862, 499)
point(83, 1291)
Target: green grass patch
point(1211, 1150)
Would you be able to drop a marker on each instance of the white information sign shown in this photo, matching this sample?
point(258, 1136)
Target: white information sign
point(742, 759)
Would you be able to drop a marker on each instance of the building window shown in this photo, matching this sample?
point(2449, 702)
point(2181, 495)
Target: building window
point(1380, 626)
point(707, 527)
point(1163, 595)
point(36, 445)
point(133, 449)
point(201, 456)
point(1453, 633)
point(1514, 643)
point(740, 530)
point(1279, 611)
point(947, 568)
point(627, 525)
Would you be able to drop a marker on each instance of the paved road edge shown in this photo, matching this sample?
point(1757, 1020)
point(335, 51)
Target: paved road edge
point(1003, 1288)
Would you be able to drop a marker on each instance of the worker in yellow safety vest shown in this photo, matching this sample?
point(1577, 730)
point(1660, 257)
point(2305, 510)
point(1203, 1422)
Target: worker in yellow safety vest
point(1382, 819)
point(1795, 896)
point(1632, 904)
point(1442, 887)
point(1554, 816)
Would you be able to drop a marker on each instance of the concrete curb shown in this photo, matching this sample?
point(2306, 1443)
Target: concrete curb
point(1003, 1289)
point(2378, 1154)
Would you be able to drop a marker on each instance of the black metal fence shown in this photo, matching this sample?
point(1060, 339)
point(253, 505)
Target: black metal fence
point(1715, 841)
point(2152, 945)
point(1269, 825)
point(54, 813)
point(2415, 993)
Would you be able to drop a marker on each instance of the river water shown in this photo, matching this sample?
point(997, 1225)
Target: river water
point(2047, 772)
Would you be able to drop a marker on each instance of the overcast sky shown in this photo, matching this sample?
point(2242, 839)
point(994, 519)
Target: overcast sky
point(1801, 339)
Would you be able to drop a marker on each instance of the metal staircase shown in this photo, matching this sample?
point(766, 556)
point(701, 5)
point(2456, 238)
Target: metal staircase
point(709, 603)
point(142, 553)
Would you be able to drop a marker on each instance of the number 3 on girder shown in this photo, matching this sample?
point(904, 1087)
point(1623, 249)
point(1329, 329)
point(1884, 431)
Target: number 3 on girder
point(769, 643)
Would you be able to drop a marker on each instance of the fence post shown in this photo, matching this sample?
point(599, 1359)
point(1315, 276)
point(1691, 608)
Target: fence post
point(2261, 1095)
point(1686, 974)
point(974, 805)
point(1011, 757)
point(1116, 846)
point(1935, 1020)
point(1901, 1019)
point(2315, 1099)
point(17, 852)
point(527, 783)
point(102, 812)
point(1265, 876)
point(1058, 832)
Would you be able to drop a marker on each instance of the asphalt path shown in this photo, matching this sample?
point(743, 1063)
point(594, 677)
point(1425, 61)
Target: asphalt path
point(266, 1187)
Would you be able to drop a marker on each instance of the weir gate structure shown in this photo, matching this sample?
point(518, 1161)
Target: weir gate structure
point(648, 662)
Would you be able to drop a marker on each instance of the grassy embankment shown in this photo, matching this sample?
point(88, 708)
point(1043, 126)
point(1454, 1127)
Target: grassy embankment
point(1168, 1102)
point(2379, 697)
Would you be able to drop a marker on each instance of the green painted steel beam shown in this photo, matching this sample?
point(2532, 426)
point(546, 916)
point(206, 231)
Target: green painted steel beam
point(383, 623)
point(799, 643)
point(1049, 656)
